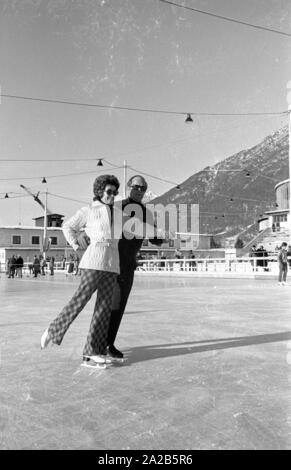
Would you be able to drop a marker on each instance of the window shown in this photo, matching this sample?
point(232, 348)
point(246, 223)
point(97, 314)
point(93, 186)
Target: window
point(16, 239)
point(280, 218)
point(35, 240)
point(54, 240)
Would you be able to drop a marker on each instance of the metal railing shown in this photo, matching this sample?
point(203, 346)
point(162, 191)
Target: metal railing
point(245, 265)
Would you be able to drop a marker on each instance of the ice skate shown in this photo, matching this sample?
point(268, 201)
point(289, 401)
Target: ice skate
point(96, 362)
point(114, 354)
point(45, 339)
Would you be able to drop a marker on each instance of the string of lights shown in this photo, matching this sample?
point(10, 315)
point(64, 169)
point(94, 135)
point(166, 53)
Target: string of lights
point(226, 18)
point(210, 214)
point(177, 140)
point(7, 195)
point(143, 110)
point(231, 199)
point(51, 176)
point(154, 177)
point(235, 198)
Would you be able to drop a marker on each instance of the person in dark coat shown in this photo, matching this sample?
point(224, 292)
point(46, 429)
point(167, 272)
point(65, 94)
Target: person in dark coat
point(253, 254)
point(12, 267)
point(52, 265)
point(36, 266)
point(283, 264)
point(19, 266)
point(262, 254)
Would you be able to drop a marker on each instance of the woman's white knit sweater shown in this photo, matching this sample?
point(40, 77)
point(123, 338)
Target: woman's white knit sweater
point(102, 253)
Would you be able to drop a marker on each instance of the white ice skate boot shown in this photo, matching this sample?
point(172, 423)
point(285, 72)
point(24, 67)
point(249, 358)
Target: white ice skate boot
point(45, 339)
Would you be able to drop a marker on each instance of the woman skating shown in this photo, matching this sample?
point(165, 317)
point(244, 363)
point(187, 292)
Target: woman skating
point(99, 268)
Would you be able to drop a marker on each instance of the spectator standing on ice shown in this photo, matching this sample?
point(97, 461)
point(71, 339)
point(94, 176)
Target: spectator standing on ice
point(283, 264)
point(52, 265)
point(36, 266)
point(12, 267)
point(19, 266)
point(43, 265)
point(253, 254)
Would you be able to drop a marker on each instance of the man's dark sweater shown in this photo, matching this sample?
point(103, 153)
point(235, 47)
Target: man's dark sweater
point(129, 248)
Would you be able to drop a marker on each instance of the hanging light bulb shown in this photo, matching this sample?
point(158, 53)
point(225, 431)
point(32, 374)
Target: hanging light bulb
point(43, 180)
point(189, 118)
point(6, 196)
point(100, 162)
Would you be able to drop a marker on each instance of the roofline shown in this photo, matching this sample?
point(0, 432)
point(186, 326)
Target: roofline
point(31, 248)
point(281, 182)
point(48, 215)
point(278, 211)
point(28, 227)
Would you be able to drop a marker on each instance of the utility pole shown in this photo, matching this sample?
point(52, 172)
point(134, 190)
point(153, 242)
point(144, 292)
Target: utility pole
point(124, 178)
point(289, 125)
point(45, 243)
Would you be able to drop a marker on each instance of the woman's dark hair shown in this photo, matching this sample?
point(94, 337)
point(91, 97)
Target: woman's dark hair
point(100, 184)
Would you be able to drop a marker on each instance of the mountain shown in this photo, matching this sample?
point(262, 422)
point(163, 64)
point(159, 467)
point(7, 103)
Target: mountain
point(148, 197)
point(233, 194)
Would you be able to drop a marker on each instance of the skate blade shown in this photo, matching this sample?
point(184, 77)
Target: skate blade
point(106, 361)
point(118, 360)
point(95, 366)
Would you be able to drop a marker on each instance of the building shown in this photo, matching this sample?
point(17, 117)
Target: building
point(279, 219)
point(27, 241)
point(53, 220)
point(274, 225)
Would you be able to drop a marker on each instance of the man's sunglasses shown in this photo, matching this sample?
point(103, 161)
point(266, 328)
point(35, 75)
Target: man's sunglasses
point(138, 187)
point(110, 192)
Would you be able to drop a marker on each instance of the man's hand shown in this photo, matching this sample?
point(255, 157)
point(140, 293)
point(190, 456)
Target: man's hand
point(159, 239)
point(83, 241)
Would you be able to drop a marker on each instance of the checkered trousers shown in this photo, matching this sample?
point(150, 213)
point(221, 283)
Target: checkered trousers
point(91, 280)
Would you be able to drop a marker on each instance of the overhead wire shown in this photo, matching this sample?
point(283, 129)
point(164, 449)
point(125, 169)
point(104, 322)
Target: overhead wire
point(226, 18)
point(67, 198)
point(137, 109)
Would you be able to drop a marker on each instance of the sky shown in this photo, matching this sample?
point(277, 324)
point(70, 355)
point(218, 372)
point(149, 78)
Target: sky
point(139, 54)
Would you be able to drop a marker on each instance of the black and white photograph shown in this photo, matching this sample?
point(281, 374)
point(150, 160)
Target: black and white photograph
point(145, 228)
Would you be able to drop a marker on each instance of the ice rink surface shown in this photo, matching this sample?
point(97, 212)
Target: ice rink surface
point(207, 368)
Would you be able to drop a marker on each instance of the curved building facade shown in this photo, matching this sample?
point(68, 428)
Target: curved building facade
point(282, 190)
point(279, 218)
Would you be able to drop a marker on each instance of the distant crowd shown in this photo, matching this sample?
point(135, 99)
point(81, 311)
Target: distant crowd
point(40, 266)
point(261, 255)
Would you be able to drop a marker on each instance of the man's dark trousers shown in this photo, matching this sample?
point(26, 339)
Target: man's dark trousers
point(124, 285)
